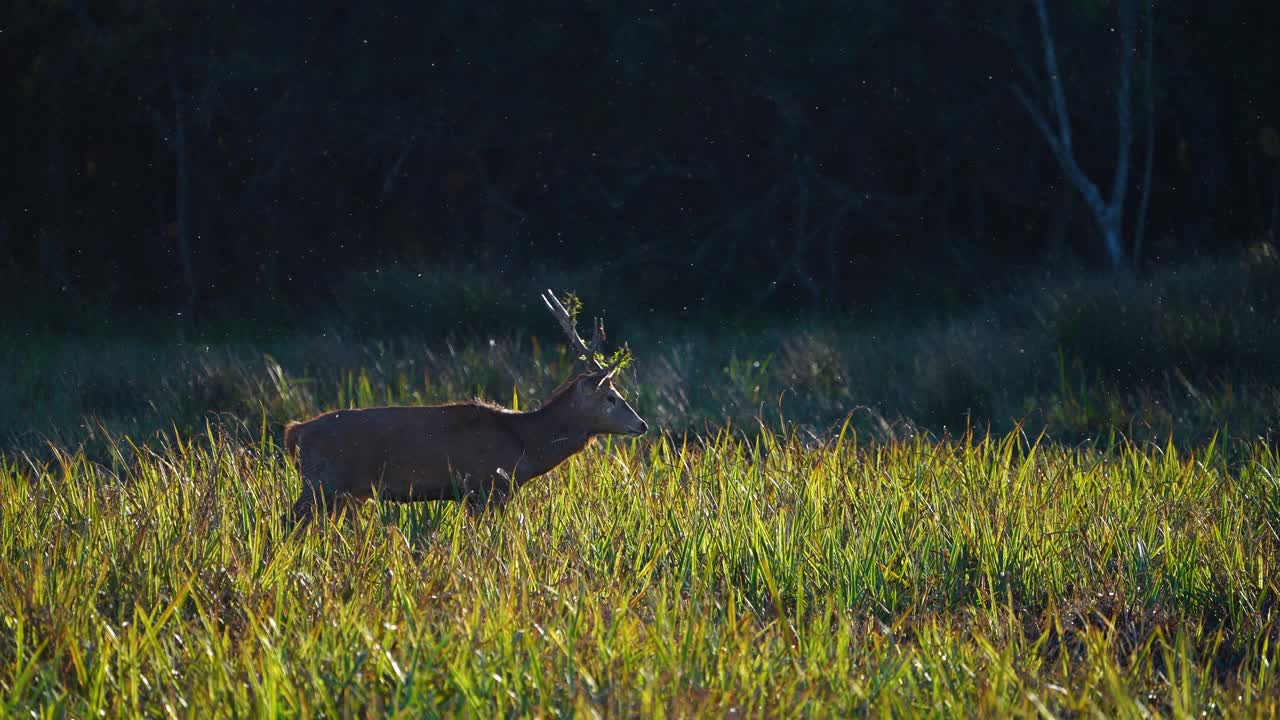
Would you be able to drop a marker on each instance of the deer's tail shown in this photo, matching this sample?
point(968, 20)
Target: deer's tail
point(291, 439)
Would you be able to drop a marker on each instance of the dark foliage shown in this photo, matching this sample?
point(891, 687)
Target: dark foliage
point(203, 153)
point(1188, 355)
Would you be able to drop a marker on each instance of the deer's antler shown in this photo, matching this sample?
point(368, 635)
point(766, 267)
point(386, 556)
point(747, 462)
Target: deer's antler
point(567, 324)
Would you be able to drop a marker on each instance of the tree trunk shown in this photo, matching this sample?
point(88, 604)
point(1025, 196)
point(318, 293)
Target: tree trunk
point(1111, 234)
point(182, 189)
point(1108, 213)
point(1275, 207)
point(1149, 107)
point(52, 250)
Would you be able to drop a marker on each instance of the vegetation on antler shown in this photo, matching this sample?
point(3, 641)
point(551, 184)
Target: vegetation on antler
point(573, 304)
point(566, 312)
point(620, 358)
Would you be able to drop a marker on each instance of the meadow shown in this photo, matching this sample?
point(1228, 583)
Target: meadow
point(1062, 501)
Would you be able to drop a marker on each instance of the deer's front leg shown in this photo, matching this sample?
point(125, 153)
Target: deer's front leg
point(492, 495)
point(478, 504)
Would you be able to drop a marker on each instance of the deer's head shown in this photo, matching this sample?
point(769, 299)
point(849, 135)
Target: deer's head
point(597, 402)
point(601, 408)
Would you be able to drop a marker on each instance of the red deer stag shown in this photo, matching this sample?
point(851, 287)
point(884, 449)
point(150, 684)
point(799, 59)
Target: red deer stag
point(475, 452)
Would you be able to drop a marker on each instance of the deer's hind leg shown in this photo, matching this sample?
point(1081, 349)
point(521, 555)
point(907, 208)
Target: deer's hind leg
point(317, 487)
point(302, 511)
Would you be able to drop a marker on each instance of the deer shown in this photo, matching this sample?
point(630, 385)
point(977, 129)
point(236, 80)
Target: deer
point(475, 452)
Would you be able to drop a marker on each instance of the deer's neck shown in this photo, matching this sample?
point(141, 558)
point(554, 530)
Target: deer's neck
point(550, 435)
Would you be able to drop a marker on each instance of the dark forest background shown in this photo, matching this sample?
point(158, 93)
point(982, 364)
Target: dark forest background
point(199, 154)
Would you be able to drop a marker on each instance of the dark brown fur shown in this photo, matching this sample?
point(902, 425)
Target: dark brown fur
point(474, 452)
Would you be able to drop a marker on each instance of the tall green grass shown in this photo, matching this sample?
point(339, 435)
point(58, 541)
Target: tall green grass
point(1188, 353)
point(756, 574)
point(818, 529)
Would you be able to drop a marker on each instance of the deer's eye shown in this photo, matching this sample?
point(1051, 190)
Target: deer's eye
point(612, 400)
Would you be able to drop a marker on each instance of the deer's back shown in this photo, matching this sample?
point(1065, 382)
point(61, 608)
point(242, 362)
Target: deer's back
point(408, 452)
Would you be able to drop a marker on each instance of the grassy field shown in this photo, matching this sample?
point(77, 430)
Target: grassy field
point(990, 576)
point(818, 527)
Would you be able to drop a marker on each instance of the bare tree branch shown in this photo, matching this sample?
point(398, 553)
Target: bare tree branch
point(1072, 171)
point(1108, 214)
point(389, 181)
point(1059, 95)
point(1042, 124)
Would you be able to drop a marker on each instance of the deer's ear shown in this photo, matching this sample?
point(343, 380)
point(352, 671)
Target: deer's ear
point(585, 385)
point(592, 383)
